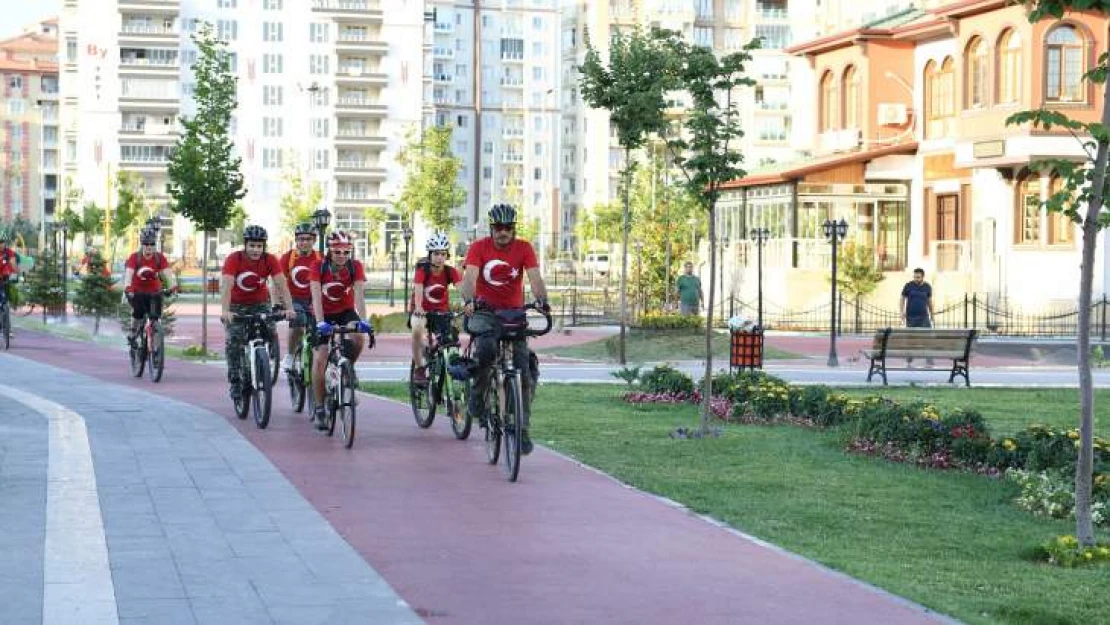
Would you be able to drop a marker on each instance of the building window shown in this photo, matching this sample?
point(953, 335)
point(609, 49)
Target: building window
point(318, 32)
point(271, 158)
point(851, 98)
point(1027, 222)
point(830, 103)
point(16, 106)
point(272, 95)
point(227, 30)
point(15, 82)
point(320, 127)
point(1009, 67)
point(1061, 230)
point(71, 50)
point(320, 159)
point(272, 5)
point(318, 64)
point(226, 4)
point(939, 97)
point(271, 63)
point(271, 127)
point(1064, 65)
point(977, 60)
point(272, 31)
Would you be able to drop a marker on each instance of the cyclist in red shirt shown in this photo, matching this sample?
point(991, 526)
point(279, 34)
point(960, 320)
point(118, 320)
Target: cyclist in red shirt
point(143, 280)
point(338, 298)
point(243, 291)
point(296, 264)
point(430, 294)
point(494, 281)
point(9, 265)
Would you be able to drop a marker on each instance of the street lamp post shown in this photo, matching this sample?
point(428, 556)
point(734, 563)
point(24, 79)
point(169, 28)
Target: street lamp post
point(321, 218)
point(759, 235)
point(835, 231)
point(407, 234)
point(391, 244)
point(65, 269)
point(721, 266)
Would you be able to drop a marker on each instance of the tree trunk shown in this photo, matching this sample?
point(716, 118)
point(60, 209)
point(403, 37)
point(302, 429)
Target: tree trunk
point(707, 390)
point(96, 325)
point(625, 227)
point(204, 300)
point(1084, 527)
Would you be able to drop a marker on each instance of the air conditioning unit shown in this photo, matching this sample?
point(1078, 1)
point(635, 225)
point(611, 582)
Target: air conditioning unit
point(892, 114)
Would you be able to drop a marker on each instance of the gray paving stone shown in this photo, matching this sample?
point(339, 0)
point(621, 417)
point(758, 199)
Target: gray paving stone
point(230, 611)
point(258, 544)
point(145, 578)
point(215, 578)
point(157, 612)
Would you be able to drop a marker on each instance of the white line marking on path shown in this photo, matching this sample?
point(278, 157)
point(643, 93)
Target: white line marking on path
point(77, 584)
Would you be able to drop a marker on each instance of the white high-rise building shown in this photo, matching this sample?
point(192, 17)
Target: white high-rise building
point(326, 88)
point(495, 71)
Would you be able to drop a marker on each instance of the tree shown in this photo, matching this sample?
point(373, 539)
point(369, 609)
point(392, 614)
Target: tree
point(95, 296)
point(1085, 185)
point(21, 229)
point(431, 186)
point(299, 200)
point(858, 274)
point(703, 145)
point(375, 217)
point(205, 182)
point(44, 282)
point(632, 89)
point(130, 207)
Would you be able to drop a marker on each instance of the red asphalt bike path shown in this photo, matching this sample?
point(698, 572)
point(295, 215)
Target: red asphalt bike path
point(564, 545)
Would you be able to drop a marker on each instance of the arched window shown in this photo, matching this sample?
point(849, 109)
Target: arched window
point(851, 97)
point(976, 63)
point(1061, 230)
point(930, 81)
point(1009, 67)
point(830, 102)
point(946, 80)
point(1065, 64)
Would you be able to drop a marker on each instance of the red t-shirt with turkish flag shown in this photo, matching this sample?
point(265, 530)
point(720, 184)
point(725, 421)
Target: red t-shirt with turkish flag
point(8, 259)
point(434, 296)
point(147, 272)
point(336, 284)
point(298, 272)
point(501, 271)
point(250, 276)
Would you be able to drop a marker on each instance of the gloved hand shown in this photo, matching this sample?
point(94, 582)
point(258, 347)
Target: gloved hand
point(324, 328)
point(364, 327)
point(542, 305)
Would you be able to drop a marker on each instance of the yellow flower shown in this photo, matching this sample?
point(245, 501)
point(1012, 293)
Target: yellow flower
point(1104, 552)
point(1008, 444)
point(1087, 555)
point(1072, 434)
point(1068, 541)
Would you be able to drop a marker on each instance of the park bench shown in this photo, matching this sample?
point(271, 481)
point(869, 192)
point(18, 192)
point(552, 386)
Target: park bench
point(943, 344)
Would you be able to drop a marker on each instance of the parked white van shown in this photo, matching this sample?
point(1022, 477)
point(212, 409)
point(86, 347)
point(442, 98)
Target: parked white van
point(597, 262)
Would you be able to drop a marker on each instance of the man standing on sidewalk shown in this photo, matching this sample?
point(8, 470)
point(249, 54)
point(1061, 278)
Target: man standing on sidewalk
point(917, 305)
point(689, 290)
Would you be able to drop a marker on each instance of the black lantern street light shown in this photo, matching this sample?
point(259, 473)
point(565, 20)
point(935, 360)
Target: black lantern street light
point(321, 218)
point(759, 235)
point(835, 231)
point(407, 234)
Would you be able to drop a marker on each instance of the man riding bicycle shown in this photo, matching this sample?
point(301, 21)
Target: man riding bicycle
point(297, 264)
point(338, 284)
point(429, 294)
point(494, 281)
point(146, 271)
point(9, 265)
point(243, 291)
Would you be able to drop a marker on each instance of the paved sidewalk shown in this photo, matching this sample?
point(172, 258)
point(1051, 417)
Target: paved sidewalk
point(458, 543)
point(193, 524)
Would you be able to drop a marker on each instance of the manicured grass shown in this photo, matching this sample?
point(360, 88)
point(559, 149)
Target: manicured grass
point(951, 541)
point(657, 346)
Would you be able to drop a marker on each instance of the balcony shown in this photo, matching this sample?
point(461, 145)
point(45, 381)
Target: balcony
point(512, 82)
point(361, 138)
point(774, 107)
point(360, 75)
point(140, 33)
point(512, 57)
point(773, 77)
point(360, 106)
point(443, 52)
point(444, 28)
point(444, 79)
point(365, 169)
point(512, 183)
point(148, 66)
point(512, 157)
point(350, 10)
point(50, 194)
point(512, 133)
point(159, 7)
point(149, 95)
point(360, 42)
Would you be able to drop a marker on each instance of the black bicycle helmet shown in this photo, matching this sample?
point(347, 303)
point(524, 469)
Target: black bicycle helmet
point(304, 228)
point(148, 237)
point(502, 214)
point(255, 233)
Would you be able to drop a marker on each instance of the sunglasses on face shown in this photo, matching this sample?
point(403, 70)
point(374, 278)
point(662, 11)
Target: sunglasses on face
point(503, 227)
point(308, 238)
point(341, 252)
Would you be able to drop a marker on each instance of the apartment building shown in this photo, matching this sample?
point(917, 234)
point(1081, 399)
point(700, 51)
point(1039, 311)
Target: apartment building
point(326, 88)
point(496, 78)
point(914, 153)
point(29, 124)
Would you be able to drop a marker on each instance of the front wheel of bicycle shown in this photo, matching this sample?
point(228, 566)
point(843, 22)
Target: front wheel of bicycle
point(6, 320)
point(456, 409)
point(137, 354)
point(422, 399)
point(493, 424)
point(295, 378)
point(156, 356)
point(514, 425)
point(262, 395)
point(346, 410)
point(273, 346)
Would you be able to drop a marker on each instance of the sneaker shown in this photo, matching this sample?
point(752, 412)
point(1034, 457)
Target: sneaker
point(420, 376)
point(287, 363)
point(525, 442)
point(320, 419)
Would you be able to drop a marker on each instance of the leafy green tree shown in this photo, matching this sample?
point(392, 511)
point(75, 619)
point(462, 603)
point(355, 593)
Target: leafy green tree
point(21, 229)
point(858, 275)
point(205, 181)
point(130, 207)
point(632, 88)
point(299, 199)
point(375, 217)
point(431, 186)
point(95, 295)
point(44, 282)
point(703, 145)
point(1083, 200)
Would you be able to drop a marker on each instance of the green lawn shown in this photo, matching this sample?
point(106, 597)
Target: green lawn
point(657, 346)
point(948, 540)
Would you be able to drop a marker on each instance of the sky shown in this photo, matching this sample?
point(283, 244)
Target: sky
point(20, 13)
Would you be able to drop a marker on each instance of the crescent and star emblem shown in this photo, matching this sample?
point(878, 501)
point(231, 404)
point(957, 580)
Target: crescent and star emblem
point(431, 291)
point(505, 276)
point(293, 275)
point(145, 273)
point(329, 286)
point(241, 281)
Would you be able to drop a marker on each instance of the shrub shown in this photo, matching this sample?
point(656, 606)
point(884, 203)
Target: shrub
point(1052, 494)
point(769, 399)
point(661, 321)
point(1040, 448)
point(1065, 551)
point(666, 379)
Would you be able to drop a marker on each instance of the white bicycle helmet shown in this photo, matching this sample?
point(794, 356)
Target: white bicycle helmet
point(340, 239)
point(437, 243)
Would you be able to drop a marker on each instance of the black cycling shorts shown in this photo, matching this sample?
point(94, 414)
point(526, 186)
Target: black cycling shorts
point(338, 319)
point(143, 304)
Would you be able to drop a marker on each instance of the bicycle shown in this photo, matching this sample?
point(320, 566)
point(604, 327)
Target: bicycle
point(299, 375)
point(504, 418)
point(149, 347)
point(441, 388)
point(339, 385)
point(5, 317)
point(256, 382)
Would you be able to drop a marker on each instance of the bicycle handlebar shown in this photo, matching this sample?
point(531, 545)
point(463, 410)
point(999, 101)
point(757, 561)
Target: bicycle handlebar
point(528, 331)
point(263, 316)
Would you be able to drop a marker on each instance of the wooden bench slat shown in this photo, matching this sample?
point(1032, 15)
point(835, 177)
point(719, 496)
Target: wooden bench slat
point(930, 343)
